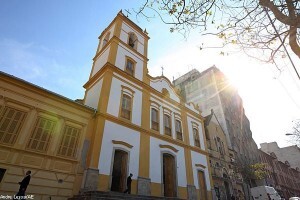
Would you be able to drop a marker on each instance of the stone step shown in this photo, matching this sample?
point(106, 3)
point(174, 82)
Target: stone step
point(99, 195)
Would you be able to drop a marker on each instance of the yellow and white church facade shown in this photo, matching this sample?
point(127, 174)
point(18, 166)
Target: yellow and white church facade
point(128, 122)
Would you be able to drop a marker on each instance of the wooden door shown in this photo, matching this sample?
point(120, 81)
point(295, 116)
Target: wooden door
point(169, 175)
point(119, 173)
point(227, 189)
point(202, 185)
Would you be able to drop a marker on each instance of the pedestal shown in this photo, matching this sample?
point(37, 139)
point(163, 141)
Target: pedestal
point(143, 186)
point(191, 192)
point(91, 177)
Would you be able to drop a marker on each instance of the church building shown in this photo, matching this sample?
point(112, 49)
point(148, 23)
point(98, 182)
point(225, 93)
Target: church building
point(128, 122)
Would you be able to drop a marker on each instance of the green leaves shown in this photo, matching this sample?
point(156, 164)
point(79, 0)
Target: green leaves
point(186, 11)
point(209, 13)
point(222, 35)
point(173, 10)
point(259, 170)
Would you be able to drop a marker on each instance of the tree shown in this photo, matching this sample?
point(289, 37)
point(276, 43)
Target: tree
point(251, 172)
point(260, 27)
point(295, 133)
point(259, 170)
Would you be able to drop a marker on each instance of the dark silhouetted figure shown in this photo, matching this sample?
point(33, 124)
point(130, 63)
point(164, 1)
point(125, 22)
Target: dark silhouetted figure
point(128, 190)
point(23, 184)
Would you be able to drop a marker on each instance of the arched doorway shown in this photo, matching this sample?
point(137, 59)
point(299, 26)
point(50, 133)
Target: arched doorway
point(119, 172)
point(226, 184)
point(169, 175)
point(202, 185)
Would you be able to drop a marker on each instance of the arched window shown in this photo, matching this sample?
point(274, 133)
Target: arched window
point(167, 124)
point(178, 129)
point(132, 40)
point(126, 102)
point(105, 40)
point(154, 119)
point(126, 106)
point(196, 137)
point(129, 67)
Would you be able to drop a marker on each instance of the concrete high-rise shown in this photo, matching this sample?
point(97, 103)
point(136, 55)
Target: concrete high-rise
point(211, 89)
point(289, 153)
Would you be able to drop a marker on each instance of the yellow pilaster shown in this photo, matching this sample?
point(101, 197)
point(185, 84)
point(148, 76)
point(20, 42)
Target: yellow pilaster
point(187, 152)
point(145, 138)
point(114, 44)
point(105, 91)
point(145, 68)
point(146, 78)
point(207, 156)
point(118, 27)
point(100, 121)
point(113, 52)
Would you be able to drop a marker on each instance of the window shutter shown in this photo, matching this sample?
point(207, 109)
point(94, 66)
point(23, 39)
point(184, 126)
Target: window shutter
point(69, 143)
point(41, 134)
point(10, 123)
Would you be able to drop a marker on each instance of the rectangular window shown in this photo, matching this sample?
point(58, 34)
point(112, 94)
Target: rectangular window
point(282, 180)
point(69, 143)
point(129, 67)
point(41, 134)
point(196, 137)
point(2, 172)
point(178, 130)
point(154, 119)
point(11, 121)
point(223, 149)
point(167, 124)
point(126, 107)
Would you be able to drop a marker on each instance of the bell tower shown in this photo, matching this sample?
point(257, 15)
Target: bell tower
point(122, 45)
point(118, 72)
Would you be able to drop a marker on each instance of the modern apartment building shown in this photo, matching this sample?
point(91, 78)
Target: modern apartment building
point(211, 89)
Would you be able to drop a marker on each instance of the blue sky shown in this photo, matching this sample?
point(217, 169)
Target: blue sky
point(52, 43)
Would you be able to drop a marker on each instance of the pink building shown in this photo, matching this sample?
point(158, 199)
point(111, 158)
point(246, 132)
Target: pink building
point(281, 176)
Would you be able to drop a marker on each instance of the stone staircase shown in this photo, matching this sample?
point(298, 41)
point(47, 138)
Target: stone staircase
point(99, 195)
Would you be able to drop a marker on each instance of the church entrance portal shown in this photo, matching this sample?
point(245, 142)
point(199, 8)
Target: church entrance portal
point(202, 185)
point(169, 175)
point(227, 189)
point(119, 172)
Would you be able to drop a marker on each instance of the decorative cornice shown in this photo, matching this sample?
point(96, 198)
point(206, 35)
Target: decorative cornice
point(199, 165)
point(110, 67)
point(122, 143)
point(168, 147)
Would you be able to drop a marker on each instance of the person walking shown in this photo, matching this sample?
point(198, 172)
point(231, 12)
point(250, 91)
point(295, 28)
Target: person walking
point(23, 184)
point(128, 190)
